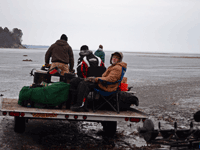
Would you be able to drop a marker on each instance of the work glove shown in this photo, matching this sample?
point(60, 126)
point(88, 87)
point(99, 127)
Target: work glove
point(47, 65)
point(90, 79)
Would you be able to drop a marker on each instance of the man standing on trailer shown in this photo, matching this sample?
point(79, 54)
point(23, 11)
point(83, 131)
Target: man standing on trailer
point(61, 55)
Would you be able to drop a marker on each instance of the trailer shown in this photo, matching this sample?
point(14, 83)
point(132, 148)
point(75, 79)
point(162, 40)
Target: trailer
point(108, 119)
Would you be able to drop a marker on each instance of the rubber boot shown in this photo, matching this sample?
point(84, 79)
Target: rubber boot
point(81, 104)
point(80, 107)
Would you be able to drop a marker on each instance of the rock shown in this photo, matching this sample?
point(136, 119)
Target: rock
point(27, 60)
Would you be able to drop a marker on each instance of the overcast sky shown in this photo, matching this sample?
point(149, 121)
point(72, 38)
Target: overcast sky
point(121, 25)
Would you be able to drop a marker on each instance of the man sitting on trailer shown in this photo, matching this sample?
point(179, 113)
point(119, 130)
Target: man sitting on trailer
point(84, 86)
point(86, 61)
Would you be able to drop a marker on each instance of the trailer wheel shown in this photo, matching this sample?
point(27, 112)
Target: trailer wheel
point(109, 127)
point(19, 124)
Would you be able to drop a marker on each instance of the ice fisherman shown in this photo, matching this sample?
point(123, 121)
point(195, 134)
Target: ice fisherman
point(81, 87)
point(100, 53)
point(87, 59)
point(62, 55)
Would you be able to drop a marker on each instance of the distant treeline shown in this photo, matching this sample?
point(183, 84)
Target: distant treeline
point(35, 46)
point(10, 39)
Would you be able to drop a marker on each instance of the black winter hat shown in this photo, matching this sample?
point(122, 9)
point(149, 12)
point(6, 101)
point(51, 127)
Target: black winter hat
point(63, 37)
point(84, 48)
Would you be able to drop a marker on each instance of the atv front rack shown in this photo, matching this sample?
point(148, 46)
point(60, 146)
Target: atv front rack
point(187, 138)
point(47, 74)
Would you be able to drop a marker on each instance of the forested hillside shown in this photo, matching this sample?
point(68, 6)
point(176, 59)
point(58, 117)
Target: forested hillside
point(11, 39)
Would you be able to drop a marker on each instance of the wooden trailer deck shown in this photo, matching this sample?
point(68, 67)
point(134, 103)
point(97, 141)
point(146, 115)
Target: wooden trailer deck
point(11, 105)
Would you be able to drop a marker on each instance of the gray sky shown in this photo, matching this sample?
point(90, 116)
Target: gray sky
point(121, 25)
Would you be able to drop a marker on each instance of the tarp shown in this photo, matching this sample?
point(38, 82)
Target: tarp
point(51, 95)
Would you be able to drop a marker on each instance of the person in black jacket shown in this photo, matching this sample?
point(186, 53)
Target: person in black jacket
point(87, 59)
point(85, 67)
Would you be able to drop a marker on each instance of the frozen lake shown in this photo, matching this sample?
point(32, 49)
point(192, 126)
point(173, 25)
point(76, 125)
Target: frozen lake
point(143, 68)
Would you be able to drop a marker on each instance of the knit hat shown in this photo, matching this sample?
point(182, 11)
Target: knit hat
point(84, 48)
point(84, 51)
point(63, 37)
point(116, 53)
point(100, 46)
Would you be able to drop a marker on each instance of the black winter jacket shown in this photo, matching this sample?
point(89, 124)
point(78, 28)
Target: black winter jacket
point(87, 59)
